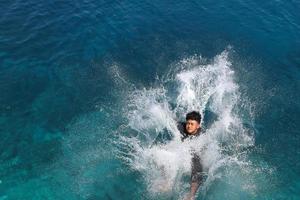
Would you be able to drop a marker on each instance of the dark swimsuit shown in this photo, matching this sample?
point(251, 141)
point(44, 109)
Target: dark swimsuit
point(196, 161)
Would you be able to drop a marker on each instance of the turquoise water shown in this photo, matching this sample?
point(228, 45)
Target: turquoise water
point(85, 88)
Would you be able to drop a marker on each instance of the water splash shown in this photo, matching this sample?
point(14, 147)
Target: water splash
point(153, 113)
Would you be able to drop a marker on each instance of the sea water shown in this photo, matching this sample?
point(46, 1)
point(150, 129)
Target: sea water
point(91, 92)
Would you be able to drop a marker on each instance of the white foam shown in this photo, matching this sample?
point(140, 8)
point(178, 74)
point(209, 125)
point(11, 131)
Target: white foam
point(199, 87)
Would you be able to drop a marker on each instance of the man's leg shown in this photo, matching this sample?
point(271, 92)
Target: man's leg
point(196, 177)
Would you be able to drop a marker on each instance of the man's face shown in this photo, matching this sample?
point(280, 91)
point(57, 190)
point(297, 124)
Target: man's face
point(192, 126)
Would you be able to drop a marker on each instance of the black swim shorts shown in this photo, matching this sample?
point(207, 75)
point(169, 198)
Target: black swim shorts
point(197, 169)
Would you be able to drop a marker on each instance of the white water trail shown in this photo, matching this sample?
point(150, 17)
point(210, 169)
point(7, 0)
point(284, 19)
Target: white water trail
point(153, 113)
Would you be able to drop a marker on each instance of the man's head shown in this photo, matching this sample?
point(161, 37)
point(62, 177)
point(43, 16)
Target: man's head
point(193, 120)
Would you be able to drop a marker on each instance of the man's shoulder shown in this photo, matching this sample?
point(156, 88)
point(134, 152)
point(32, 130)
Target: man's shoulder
point(181, 123)
point(181, 127)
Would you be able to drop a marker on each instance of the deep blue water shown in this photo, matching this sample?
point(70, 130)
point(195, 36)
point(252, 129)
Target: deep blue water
point(60, 106)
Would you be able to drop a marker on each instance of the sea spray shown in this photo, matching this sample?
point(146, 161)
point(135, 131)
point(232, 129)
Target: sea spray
point(154, 112)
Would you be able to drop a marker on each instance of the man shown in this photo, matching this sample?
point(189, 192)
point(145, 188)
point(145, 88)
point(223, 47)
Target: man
point(189, 130)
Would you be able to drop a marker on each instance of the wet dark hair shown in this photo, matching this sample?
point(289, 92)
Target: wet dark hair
point(194, 115)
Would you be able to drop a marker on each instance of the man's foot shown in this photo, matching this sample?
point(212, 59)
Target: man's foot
point(189, 197)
